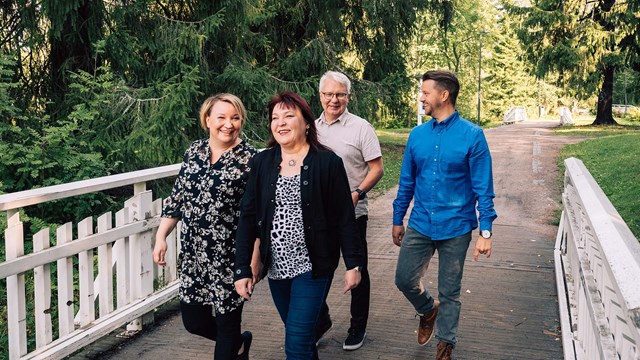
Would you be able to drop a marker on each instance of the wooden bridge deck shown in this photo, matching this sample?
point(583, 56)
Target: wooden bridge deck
point(509, 302)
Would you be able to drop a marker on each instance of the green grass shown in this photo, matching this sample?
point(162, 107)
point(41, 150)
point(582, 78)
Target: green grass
point(392, 142)
point(613, 159)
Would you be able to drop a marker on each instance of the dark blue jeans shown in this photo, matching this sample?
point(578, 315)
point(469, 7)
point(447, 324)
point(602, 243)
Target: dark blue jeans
point(299, 301)
point(415, 254)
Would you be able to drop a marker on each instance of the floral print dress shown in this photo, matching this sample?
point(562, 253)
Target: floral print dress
point(206, 197)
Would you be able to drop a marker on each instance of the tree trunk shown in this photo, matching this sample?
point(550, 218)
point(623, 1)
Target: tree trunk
point(604, 116)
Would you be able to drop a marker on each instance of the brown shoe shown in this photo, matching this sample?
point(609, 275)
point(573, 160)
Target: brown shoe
point(443, 350)
point(427, 326)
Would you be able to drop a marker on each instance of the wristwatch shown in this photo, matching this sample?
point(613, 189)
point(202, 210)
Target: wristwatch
point(485, 234)
point(361, 194)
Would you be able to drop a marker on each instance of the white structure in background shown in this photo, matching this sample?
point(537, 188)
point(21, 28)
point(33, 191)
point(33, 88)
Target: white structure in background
point(597, 262)
point(515, 114)
point(565, 116)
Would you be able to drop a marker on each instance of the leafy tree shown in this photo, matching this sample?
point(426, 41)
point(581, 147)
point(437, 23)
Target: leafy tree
point(583, 42)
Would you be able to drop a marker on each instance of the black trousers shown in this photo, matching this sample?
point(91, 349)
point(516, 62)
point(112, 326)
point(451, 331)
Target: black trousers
point(224, 329)
point(361, 295)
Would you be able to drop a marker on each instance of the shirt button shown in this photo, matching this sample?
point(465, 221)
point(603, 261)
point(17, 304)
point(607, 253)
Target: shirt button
point(306, 167)
point(238, 271)
point(305, 182)
point(434, 173)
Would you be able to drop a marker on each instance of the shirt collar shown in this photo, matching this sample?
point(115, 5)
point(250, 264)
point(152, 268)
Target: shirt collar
point(448, 121)
point(342, 119)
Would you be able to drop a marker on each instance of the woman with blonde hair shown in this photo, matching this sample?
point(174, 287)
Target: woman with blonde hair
point(206, 197)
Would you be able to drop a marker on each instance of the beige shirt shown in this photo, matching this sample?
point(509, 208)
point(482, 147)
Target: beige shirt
point(355, 141)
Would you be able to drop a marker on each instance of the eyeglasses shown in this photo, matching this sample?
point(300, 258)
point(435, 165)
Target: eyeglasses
point(330, 95)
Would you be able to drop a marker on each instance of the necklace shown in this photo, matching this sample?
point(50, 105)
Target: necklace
point(292, 162)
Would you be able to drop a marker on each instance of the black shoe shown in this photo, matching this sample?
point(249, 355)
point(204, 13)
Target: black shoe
point(354, 340)
point(322, 328)
point(247, 337)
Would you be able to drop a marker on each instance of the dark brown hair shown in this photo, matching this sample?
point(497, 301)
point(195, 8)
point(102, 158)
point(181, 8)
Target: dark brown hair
point(291, 100)
point(445, 80)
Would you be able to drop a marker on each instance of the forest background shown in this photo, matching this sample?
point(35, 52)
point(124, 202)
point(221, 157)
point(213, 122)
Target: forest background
point(90, 88)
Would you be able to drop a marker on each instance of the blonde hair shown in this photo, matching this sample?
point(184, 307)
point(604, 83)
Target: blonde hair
point(228, 98)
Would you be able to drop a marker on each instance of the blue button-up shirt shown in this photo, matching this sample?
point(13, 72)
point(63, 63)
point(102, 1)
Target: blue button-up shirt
point(446, 170)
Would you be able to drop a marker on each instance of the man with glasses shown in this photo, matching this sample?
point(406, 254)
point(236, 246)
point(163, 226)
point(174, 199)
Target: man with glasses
point(355, 141)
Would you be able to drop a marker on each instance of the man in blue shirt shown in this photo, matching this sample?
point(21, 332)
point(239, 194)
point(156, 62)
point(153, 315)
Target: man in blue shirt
point(446, 170)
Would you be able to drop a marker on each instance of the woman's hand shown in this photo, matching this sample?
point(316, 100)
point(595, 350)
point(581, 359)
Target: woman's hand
point(351, 279)
point(256, 263)
point(159, 250)
point(164, 229)
point(244, 288)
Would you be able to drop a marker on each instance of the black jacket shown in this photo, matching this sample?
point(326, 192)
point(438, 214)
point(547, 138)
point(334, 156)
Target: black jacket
point(327, 212)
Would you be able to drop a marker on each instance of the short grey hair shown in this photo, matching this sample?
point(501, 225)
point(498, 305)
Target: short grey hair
point(336, 76)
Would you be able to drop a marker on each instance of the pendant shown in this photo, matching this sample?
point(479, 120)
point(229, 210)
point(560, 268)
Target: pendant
point(292, 163)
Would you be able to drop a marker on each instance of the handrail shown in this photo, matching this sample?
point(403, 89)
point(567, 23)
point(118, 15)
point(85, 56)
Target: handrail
point(600, 267)
point(37, 196)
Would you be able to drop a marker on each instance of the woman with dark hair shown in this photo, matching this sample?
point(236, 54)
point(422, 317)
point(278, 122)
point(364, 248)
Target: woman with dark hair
point(295, 218)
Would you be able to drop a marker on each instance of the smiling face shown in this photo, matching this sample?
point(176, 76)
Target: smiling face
point(432, 98)
point(224, 123)
point(288, 126)
point(333, 106)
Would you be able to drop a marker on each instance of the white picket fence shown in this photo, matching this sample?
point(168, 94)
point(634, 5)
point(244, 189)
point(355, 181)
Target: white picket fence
point(597, 261)
point(515, 114)
point(124, 255)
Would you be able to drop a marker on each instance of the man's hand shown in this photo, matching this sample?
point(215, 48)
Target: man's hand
point(483, 246)
point(244, 287)
point(355, 198)
point(351, 280)
point(397, 232)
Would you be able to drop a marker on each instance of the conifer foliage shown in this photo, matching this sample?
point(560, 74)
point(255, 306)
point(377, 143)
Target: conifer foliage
point(584, 43)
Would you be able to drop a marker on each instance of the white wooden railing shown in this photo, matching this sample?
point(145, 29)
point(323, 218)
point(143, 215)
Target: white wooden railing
point(515, 114)
point(124, 255)
point(598, 273)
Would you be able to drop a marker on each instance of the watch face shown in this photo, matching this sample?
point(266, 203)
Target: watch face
point(486, 234)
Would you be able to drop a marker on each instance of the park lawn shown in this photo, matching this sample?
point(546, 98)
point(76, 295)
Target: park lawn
point(613, 159)
point(392, 142)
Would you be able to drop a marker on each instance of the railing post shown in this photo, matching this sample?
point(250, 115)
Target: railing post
point(140, 254)
point(85, 274)
point(105, 268)
point(66, 308)
point(16, 304)
point(42, 292)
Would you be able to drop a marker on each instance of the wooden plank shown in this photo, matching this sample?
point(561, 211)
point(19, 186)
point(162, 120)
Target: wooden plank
point(66, 310)
point(105, 268)
point(49, 193)
point(28, 262)
point(42, 292)
point(16, 300)
point(146, 247)
point(121, 253)
point(87, 313)
point(135, 263)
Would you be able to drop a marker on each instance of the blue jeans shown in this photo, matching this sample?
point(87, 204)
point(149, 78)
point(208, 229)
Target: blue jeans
point(299, 301)
point(415, 254)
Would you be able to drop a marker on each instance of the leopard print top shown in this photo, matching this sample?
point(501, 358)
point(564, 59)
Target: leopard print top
point(289, 253)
